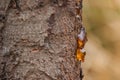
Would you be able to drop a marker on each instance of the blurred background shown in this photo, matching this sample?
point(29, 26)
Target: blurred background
point(102, 21)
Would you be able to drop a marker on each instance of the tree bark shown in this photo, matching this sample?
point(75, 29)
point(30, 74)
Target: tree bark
point(38, 40)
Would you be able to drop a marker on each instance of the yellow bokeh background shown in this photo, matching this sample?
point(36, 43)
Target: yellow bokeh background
point(102, 21)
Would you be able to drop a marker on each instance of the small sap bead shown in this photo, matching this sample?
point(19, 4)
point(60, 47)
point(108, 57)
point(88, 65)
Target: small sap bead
point(78, 16)
point(80, 55)
point(82, 50)
point(82, 34)
point(78, 13)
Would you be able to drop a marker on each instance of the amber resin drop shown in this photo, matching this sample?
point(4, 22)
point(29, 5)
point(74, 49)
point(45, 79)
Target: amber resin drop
point(80, 54)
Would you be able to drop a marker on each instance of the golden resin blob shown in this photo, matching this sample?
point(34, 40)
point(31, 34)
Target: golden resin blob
point(80, 55)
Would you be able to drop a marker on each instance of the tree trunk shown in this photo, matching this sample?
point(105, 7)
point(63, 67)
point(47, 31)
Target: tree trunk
point(38, 40)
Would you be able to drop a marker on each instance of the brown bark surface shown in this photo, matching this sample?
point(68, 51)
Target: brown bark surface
point(38, 42)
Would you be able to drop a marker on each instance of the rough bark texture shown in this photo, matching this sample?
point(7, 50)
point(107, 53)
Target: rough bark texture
point(38, 42)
